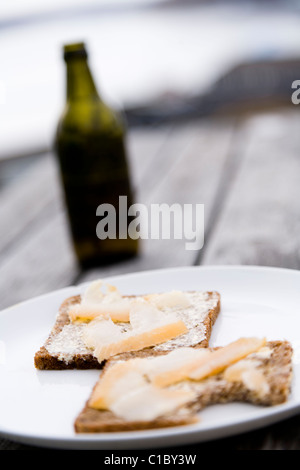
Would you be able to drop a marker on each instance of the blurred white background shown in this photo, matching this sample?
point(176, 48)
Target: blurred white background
point(138, 51)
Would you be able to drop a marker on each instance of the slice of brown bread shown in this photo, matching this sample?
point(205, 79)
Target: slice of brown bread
point(274, 362)
point(65, 349)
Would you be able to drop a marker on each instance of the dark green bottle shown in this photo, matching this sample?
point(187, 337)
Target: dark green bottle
point(91, 151)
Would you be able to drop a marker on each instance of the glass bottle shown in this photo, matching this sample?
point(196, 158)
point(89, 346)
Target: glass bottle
point(90, 147)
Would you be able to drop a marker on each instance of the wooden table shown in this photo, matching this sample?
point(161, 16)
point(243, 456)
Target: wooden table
point(246, 171)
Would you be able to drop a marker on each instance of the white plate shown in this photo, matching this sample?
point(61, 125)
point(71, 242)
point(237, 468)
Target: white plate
point(39, 407)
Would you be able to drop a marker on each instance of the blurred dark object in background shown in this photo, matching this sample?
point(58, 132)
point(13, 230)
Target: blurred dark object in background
point(248, 87)
point(92, 157)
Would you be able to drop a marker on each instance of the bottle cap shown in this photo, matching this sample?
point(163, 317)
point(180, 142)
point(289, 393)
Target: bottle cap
point(75, 50)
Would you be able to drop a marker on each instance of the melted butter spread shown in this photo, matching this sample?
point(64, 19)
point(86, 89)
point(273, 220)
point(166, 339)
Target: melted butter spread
point(194, 317)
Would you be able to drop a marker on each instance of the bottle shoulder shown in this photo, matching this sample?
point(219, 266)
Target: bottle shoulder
point(90, 117)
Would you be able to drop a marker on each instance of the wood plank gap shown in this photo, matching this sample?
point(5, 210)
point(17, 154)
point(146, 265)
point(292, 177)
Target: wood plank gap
point(194, 159)
point(229, 173)
point(260, 223)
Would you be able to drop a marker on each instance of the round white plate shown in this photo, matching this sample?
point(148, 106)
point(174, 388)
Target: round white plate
point(39, 407)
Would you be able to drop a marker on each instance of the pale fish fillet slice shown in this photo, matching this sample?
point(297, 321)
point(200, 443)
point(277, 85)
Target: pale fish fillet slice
point(135, 341)
point(149, 402)
point(143, 315)
point(213, 363)
point(118, 311)
point(100, 299)
point(171, 300)
point(124, 376)
point(157, 366)
point(119, 379)
point(99, 330)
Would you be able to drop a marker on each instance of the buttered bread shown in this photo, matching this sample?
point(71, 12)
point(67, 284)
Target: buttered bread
point(101, 324)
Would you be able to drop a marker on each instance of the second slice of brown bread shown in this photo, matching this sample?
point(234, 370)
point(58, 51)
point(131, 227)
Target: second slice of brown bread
point(276, 368)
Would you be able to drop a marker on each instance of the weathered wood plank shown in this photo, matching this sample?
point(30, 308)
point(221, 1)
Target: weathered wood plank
point(258, 219)
point(190, 168)
point(143, 145)
point(38, 191)
point(36, 254)
point(43, 262)
point(25, 200)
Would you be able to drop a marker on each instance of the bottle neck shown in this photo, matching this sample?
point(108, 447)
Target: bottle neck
point(80, 83)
